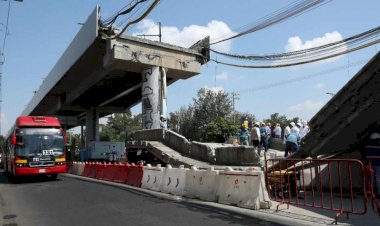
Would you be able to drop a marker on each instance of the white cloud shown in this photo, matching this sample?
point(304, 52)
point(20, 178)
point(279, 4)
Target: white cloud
point(188, 35)
point(222, 76)
point(308, 105)
point(295, 43)
point(319, 86)
point(215, 89)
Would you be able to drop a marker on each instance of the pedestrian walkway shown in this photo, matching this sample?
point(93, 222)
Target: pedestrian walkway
point(323, 217)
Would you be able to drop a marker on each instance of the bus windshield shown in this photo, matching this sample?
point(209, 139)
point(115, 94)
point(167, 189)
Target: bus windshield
point(39, 141)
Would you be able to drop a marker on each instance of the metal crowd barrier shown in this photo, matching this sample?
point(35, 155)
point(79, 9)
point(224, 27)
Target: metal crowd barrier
point(334, 184)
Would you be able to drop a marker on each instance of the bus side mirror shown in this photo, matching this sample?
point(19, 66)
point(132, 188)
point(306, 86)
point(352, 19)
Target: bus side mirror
point(14, 139)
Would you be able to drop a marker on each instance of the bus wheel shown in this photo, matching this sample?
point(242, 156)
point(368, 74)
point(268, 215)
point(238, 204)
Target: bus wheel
point(53, 176)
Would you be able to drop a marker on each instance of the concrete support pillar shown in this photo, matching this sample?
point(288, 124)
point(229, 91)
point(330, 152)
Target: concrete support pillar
point(92, 127)
point(163, 97)
point(151, 98)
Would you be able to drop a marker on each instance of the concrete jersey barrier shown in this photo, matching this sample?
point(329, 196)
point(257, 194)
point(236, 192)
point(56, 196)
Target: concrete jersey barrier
point(201, 184)
point(153, 177)
point(174, 180)
point(242, 188)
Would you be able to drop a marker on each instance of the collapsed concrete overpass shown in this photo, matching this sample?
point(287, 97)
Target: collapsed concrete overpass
point(348, 119)
point(97, 76)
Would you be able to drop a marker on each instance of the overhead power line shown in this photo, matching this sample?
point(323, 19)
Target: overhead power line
point(305, 56)
point(292, 10)
point(129, 9)
point(125, 10)
point(300, 78)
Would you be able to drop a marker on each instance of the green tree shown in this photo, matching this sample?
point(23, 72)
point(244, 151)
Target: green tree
point(120, 126)
point(209, 118)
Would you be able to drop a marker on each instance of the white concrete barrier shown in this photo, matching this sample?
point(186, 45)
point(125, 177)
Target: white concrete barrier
point(201, 183)
point(80, 168)
point(243, 188)
point(174, 180)
point(152, 177)
point(75, 168)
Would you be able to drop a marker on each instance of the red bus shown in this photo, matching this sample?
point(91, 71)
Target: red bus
point(35, 145)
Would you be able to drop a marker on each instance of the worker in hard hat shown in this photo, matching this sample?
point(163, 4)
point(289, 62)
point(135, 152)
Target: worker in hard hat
point(163, 122)
point(277, 131)
point(244, 135)
point(291, 145)
point(255, 138)
point(297, 127)
point(371, 155)
point(304, 129)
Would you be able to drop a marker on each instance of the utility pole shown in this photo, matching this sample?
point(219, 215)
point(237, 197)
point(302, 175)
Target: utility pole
point(235, 96)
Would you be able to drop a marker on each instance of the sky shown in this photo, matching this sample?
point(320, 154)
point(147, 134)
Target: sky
point(39, 31)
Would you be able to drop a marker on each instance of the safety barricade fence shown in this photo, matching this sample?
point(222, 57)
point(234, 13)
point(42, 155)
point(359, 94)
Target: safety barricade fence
point(109, 171)
point(373, 182)
point(201, 184)
point(121, 173)
point(80, 168)
point(75, 168)
point(87, 169)
point(331, 184)
point(135, 175)
point(243, 188)
point(93, 168)
point(174, 180)
point(153, 177)
point(100, 168)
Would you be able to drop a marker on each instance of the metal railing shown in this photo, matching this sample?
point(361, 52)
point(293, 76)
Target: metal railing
point(333, 184)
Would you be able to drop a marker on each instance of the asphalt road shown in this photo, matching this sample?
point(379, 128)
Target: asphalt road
point(69, 201)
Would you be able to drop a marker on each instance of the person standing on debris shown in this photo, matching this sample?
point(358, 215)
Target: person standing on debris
point(371, 155)
point(263, 135)
point(244, 135)
point(162, 122)
point(297, 127)
point(292, 140)
point(304, 129)
point(287, 131)
point(277, 131)
point(255, 137)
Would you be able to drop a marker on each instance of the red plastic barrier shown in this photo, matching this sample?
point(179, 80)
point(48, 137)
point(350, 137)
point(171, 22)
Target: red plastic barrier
point(135, 175)
point(100, 168)
point(87, 169)
point(109, 172)
point(93, 168)
point(121, 174)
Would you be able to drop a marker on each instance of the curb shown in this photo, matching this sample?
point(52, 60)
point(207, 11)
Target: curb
point(269, 215)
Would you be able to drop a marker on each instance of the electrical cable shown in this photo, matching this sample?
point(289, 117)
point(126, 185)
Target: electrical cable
point(128, 10)
point(151, 7)
point(6, 30)
point(301, 62)
point(301, 78)
point(312, 54)
point(284, 14)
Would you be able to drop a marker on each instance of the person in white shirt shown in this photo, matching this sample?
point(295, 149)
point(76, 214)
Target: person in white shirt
point(277, 131)
point(287, 131)
point(256, 137)
point(304, 129)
